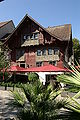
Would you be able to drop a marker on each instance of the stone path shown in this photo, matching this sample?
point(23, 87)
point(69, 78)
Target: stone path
point(6, 111)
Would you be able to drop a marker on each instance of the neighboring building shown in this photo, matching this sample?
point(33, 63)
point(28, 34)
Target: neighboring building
point(33, 45)
point(6, 29)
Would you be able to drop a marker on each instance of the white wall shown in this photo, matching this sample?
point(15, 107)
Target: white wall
point(42, 75)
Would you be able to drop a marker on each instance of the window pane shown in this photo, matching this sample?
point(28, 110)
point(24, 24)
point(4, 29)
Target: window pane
point(38, 52)
point(44, 52)
point(36, 35)
point(32, 36)
point(28, 37)
point(56, 52)
point(53, 63)
point(49, 51)
point(38, 64)
point(22, 65)
point(24, 37)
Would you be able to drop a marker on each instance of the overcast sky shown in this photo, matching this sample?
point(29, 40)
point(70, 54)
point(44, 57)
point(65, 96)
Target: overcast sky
point(46, 12)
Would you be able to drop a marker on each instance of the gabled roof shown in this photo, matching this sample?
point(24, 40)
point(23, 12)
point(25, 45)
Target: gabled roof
point(34, 22)
point(62, 31)
point(4, 23)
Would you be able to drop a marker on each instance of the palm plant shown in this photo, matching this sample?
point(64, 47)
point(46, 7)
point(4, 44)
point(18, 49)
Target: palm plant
point(73, 80)
point(37, 102)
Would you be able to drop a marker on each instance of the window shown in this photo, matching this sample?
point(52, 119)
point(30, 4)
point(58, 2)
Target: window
point(32, 36)
point(24, 37)
point(38, 64)
point(35, 35)
point(49, 51)
point(22, 52)
point(44, 52)
point(28, 37)
point(53, 63)
point(56, 51)
point(23, 64)
point(38, 52)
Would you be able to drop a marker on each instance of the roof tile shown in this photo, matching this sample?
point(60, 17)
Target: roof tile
point(63, 31)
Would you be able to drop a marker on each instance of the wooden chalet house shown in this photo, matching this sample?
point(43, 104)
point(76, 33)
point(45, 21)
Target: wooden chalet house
point(33, 45)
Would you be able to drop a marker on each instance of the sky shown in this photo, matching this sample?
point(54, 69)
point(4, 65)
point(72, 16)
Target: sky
point(46, 12)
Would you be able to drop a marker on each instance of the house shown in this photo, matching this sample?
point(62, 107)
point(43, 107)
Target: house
point(6, 29)
point(33, 45)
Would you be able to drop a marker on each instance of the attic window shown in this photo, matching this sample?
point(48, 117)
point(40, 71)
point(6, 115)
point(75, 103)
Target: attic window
point(56, 51)
point(24, 37)
point(36, 35)
point(27, 37)
point(32, 36)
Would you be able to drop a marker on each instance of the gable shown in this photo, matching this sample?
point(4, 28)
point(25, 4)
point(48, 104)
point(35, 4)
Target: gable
point(25, 21)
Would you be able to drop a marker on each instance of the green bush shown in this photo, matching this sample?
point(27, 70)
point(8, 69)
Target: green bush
point(32, 77)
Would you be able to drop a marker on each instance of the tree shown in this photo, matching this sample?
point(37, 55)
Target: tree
point(76, 48)
point(37, 102)
point(4, 56)
point(32, 77)
point(4, 59)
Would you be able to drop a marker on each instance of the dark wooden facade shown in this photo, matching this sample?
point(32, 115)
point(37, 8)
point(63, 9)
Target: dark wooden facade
point(32, 45)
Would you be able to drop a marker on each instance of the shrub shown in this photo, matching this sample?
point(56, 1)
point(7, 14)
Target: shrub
point(32, 77)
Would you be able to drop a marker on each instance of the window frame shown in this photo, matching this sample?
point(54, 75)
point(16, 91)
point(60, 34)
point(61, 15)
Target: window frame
point(56, 51)
point(38, 64)
point(53, 63)
point(50, 53)
point(44, 52)
point(32, 36)
point(36, 36)
point(39, 52)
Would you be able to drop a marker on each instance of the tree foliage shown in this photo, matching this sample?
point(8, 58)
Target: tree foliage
point(4, 56)
point(32, 77)
point(76, 48)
